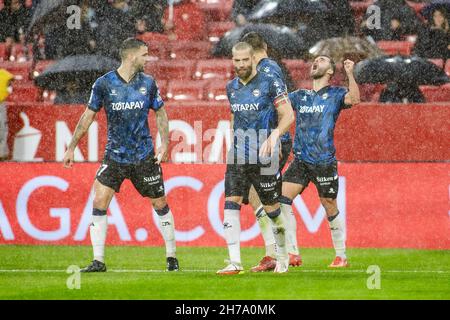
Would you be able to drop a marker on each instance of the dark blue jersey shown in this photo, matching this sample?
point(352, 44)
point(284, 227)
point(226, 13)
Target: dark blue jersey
point(126, 106)
point(254, 108)
point(270, 67)
point(316, 116)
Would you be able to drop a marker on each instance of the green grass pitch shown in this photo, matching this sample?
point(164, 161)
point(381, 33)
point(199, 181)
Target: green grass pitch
point(39, 272)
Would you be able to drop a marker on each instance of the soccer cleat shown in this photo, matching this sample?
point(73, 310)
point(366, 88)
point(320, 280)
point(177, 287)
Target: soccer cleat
point(95, 266)
point(339, 262)
point(172, 264)
point(295, 260)
point(282, 265)
point(266, 264)
point(231, 268)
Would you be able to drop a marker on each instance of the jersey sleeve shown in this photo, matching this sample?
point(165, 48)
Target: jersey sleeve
point(278, 91)
point(156, 101)
point(292, 97)
point(341, 98)
point(96, 99)
point(227, 88)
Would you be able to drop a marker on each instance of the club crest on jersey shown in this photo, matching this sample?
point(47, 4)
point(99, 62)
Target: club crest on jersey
point(256, 92)
point(325, 96)
point(143, 91)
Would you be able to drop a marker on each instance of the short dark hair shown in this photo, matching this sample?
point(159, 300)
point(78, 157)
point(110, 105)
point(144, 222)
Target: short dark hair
point(255, 40)
point(243, 46)
point(332, 62)
point(131, 44)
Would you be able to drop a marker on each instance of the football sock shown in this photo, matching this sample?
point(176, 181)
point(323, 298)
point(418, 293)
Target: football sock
point(279, 230)
point(291, 225)
point(232, 230)
point(265, 225)
point(337, 227)
point(97, 231)
point(167, 230)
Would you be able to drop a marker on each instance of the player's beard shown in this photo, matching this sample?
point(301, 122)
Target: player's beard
point(318, 73)
point(244, 73)
point(139, 69)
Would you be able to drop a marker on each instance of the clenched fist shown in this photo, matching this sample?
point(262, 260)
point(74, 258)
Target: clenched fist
point(349, 66)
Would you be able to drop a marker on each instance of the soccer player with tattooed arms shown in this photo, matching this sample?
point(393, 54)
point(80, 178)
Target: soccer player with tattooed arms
point(127, 95)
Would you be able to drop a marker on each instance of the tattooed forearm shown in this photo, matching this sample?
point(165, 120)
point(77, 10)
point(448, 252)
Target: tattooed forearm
point(162, 122)
point(82, 127)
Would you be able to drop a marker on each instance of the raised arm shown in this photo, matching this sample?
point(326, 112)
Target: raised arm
point(353, 96)
point(162, 123)
point(82, 127)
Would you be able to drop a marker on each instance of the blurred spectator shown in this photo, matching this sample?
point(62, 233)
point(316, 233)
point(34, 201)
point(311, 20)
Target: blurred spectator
point(397, 20)
point(188, 21)
point(401, 93)
point(5, 79)
point(14, 21)
point(434, 40)
point(72, 93)
point(115, 24)
point(242, 9)
point(396, 32)
point(34, 5)
point(341, 20)
point(62, 42)
point(148, 15)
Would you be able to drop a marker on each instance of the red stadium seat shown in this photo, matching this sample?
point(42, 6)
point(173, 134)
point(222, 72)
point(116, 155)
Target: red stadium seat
point(180, 90)
point(298, 69)
point(157, 50)
point(21, 53)
point(189, 21)
point(216, 10)
point(152, 36)
point(171, 69)
point(371, 92)
point(48, 96)
point(396, 47)
point(217, 29)
point(217, 91)
point(3, 52)
point(156, 44)
point(436, 93)
point(20, 70)
point(196, 103)
point(189, 49)
point(162, 86)
point(417, 6)
point(360, 7)
point(26, 93)
point(438, 62)
point(214, 69)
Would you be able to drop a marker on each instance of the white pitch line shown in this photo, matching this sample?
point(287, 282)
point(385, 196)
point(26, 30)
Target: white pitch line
point(213, 271)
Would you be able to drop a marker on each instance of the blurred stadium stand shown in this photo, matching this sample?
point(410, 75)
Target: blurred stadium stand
point(185, 69)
